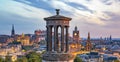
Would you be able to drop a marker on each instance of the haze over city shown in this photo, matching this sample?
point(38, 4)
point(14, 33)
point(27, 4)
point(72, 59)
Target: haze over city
point(99, 17)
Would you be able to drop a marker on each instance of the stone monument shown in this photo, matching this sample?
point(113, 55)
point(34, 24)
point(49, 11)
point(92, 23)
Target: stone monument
point(57, 50)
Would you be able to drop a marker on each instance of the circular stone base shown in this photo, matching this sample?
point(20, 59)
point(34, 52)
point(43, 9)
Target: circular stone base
point(58, 61)
point(58, 57)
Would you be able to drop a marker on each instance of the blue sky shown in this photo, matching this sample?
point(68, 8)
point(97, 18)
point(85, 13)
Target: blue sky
point(99, 17)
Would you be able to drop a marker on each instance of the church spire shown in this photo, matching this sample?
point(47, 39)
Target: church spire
point(13, 31)
point(110, 37)
point(88, 43)
point(88, 36)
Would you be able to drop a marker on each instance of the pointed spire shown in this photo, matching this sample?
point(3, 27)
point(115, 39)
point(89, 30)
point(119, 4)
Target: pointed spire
point(13, 31)
point(88, 35)
point(88, 43)
point(110, 37)
point(12, 26)
point(75, 28)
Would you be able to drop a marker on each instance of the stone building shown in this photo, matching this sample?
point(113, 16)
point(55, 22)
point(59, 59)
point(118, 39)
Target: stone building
point(39, 35)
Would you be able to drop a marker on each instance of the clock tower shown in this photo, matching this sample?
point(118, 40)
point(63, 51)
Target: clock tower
point(76, 35)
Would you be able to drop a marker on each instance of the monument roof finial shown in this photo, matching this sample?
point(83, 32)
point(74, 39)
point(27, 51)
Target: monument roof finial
point(57, 11)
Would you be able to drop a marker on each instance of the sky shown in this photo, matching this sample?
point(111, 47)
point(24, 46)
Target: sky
point(99, 17)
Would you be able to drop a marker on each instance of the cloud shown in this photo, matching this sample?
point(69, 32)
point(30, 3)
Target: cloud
point(24, 10)
point(78, 13)
point(95, 16)
point(94, 10)
point(25, 17)
point(90, 15)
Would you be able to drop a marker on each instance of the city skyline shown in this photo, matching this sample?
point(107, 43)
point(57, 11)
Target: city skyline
point(99, 17)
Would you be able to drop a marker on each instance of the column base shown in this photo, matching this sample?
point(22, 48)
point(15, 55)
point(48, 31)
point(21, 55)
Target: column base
point(58, 61)
point(58, 57)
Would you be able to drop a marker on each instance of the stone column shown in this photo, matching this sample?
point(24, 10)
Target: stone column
point(55, 39)
point(62, 38)
point(50, 38)
point(67, 46)
point(47, 41)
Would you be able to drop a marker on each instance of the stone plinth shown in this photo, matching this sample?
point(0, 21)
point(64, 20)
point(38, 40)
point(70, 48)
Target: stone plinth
point(58, 57)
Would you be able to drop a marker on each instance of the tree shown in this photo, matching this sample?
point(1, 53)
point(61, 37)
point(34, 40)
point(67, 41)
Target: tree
point(8, 58)
point(34, 57)
point(1, 59)
point(14, 42)
point(116, 61)
point(26, 48)
point(23, 59)
point(77, 59)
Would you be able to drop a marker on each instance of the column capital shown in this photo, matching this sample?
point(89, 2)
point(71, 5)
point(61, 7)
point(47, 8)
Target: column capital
point(49, 26)
point(62, 26)
point(67, 26)
point(46, 26)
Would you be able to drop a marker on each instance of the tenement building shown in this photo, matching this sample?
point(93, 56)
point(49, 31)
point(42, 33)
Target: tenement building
point(58, 49)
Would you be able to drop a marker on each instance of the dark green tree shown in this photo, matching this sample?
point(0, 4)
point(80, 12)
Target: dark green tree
point(77, 59)
point(34, 57)
point(116, 61)
point(1, 59)
point(23, 59)
point(8, 58)
point(26, 48)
